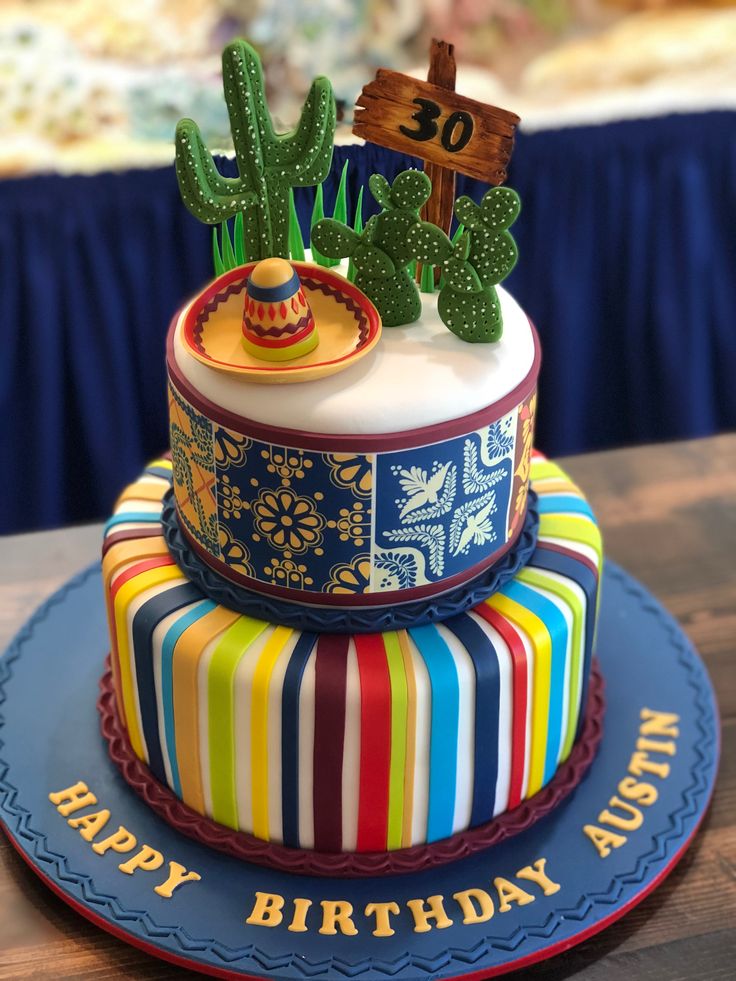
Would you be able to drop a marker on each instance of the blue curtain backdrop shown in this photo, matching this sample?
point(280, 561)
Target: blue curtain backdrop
point(627, 240)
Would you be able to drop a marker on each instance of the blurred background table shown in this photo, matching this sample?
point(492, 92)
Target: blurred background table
point(668, 516)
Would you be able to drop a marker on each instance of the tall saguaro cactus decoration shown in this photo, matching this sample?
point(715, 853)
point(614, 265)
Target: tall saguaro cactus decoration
point(269, 163)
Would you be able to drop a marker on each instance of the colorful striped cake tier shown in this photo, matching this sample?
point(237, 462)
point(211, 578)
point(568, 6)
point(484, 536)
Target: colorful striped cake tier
point(353, 743)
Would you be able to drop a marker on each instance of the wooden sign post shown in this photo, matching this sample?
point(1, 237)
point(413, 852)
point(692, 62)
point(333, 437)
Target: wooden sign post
point(430, 120)
point(438, 209)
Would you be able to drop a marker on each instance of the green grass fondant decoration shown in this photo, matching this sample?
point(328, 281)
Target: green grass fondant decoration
point(340, 211)
point(268, 163)
point(426, 282)
point(381, 253)
point(357, 228)
point(296, 242)
point(493, 251)
point(468, 307)
point(318, 213)
point(216, 254)
point(228, 253)
point(239, 236)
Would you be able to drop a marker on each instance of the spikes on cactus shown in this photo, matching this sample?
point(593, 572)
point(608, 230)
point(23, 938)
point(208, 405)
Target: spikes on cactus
point(268, 163)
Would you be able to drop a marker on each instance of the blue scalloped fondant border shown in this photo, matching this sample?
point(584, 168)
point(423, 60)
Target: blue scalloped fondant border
point(342, 619)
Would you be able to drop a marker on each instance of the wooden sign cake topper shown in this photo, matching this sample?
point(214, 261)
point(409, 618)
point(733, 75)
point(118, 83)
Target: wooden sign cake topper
point(430, 120)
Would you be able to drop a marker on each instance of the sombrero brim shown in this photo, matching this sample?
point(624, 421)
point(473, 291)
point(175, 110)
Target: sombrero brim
point(347, 322)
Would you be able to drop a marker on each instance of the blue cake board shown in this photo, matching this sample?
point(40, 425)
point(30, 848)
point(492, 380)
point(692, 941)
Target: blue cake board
point(51, 739)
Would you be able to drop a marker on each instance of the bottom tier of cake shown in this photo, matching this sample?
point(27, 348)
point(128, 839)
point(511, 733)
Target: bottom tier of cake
point(363, 742)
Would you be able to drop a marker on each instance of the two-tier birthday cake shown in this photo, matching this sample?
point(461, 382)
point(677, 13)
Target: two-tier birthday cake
point(354, 621)
point(352, 614)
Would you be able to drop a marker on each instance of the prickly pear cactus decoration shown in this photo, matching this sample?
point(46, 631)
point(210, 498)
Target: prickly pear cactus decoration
point(466, 306)
point(493, 251)
point(381, 254)
point(268, 163)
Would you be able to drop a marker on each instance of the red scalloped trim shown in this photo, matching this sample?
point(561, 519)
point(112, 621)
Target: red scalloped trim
point(350, 864)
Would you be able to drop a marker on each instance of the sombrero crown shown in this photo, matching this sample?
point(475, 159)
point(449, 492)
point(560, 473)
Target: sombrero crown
point(278, 324)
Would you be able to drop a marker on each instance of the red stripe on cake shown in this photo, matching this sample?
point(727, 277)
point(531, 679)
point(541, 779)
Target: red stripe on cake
point(329, 739)
point(519, 697)
point(375, 742)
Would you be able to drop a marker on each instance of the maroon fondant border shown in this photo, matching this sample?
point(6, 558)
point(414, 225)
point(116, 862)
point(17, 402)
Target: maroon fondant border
point(351, 442)
point(356, 600)
point(349, 864)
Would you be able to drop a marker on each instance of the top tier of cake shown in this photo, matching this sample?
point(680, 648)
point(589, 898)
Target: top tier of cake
point(402, 477)
point(419, 375)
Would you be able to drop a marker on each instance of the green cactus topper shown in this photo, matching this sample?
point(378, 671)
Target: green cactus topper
point(381, 253)
point(493, 251)
point(268, 163)
point(468, 307)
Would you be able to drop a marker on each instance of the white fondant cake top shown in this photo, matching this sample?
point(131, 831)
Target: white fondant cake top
point(417, 375)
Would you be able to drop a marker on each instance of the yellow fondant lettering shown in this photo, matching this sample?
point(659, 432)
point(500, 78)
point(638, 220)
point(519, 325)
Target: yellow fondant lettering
point(88, 825)
point(121, 841)
point(623, 824)
point(643, 793)
point(604, 840)
point(337, 913)
point(72, 798)
point(178, 875)
point(640, 763)
point(536, 873)
point(382, 913)
point(659, 723)
point(653, 746)
point(467, 900)
point(147, 859)
point(267, 910)
point(299, 920)
point(422, 915)
point(508, 893)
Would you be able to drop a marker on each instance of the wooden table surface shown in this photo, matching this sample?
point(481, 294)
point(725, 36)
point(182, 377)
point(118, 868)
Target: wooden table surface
point(668, 514)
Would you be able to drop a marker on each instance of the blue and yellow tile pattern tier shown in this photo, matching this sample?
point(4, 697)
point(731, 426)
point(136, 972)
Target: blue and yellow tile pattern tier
point(419, 518)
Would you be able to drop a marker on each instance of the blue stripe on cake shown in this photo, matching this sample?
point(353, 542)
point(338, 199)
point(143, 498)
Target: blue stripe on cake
point(487, 709)
point(290, 738)
point(443, 729)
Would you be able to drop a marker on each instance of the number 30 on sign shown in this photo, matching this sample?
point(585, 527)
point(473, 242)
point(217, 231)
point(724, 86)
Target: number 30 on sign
point(436, 124)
